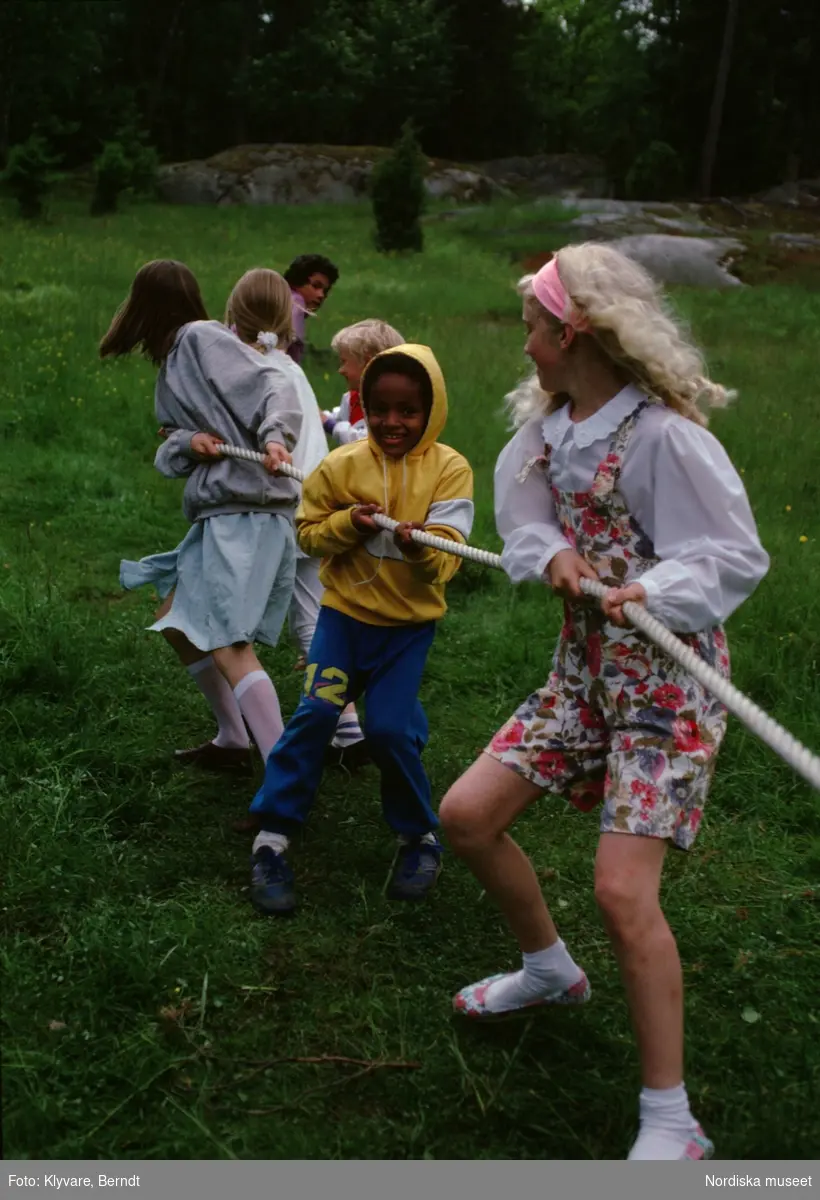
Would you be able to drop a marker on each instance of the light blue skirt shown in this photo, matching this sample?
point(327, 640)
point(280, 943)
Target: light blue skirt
point(232, 578)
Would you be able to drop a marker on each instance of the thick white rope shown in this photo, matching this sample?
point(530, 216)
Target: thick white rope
point(424, 539)
point(778, 739)
point(775, 736)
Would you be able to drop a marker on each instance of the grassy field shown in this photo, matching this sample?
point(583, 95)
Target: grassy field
point(147, 1012)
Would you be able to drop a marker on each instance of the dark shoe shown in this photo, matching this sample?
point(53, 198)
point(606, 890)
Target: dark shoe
point(417, 868)
point(215, 758)
point(352, 757)
point(272, 883)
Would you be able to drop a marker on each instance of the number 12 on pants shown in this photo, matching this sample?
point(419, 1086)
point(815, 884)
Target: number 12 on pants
point(334, 688)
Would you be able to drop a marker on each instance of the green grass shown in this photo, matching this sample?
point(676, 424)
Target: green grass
point(147, 1013)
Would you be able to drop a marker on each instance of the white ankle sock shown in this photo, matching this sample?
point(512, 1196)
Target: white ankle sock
point(259, 705)
point(219, 694)
point(277, 842)
point(667, 1124)
point(544, 973)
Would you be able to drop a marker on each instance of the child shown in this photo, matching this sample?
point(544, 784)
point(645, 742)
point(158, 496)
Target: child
point(355, 346)
point(229, 582)
point(383, 596)
point(611, 476)
point(253, 312)
point(310, 276)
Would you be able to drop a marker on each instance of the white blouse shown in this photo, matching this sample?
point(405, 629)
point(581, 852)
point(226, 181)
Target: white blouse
point(677, 481)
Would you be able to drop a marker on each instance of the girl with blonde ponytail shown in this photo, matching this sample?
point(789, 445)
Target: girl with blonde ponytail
point(260, 313)
point(611, 476)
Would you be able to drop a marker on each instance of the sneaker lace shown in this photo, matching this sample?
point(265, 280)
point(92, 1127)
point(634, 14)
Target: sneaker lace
point(412, 856)
point(275, 868)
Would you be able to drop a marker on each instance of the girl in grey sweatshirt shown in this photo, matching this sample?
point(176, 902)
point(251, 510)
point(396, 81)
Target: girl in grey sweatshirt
point(228, 584)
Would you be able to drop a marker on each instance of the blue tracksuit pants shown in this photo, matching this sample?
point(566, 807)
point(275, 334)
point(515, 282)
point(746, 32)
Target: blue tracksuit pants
point(348, 659)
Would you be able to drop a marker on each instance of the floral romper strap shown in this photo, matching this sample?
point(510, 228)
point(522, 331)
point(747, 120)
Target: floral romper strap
point(617, 720)
point(598, 523)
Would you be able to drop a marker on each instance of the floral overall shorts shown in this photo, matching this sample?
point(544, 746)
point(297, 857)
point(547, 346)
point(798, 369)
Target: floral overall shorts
point(618, 720)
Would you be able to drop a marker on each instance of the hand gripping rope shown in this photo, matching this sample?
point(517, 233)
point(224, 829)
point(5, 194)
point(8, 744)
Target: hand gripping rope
point(799, 758)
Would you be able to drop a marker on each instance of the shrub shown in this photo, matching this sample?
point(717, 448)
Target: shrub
point(398, 195)
point(656, 173)
point(126, 164)
point(29, 174)
point(112, 174)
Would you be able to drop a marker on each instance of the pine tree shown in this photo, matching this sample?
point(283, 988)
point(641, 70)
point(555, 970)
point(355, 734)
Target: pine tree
point(398, 194)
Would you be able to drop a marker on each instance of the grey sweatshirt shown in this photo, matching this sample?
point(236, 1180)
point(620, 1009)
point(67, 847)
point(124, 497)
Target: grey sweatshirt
point(212, 382)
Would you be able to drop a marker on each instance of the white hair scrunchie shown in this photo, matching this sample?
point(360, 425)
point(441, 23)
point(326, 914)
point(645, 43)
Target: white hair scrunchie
point(269, 340)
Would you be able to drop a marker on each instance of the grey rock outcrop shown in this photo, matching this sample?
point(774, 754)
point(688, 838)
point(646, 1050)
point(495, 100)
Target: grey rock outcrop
point(284, 174)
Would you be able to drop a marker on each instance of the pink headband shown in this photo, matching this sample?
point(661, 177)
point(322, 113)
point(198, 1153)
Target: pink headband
point(550, 291)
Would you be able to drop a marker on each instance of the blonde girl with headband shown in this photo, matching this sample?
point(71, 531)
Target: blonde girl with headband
point(228, 584)
point(612, 475)
point(255, 314)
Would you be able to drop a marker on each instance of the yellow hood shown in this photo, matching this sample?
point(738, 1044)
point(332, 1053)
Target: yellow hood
point(438, 411)
point(366, 575)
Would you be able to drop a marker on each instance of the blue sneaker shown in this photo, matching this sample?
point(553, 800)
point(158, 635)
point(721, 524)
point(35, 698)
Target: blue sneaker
point(272, 883)
point(417, 868)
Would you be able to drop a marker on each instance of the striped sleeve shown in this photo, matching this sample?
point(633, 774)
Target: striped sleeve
point(450, 515)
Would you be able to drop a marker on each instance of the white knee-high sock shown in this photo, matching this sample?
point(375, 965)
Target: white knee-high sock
point(259, 705)
point(232, 733)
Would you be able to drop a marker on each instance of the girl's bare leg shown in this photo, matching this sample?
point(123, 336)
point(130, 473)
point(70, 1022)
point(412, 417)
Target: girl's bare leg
point(627, 889)
point(185, 650)
point(229, 748)
point(476, 814)
point(235, 662)
point(254, 693)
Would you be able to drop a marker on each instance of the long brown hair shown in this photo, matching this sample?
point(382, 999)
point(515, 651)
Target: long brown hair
point(261, 303)
point(164, 296)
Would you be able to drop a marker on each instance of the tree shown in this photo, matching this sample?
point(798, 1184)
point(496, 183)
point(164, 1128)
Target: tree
point(29, 174)
point(734, 98)
point(485, 112)
point(398, 194)
point(127, 164)
point(50, 63)
point(710, 144)
point(403, 68)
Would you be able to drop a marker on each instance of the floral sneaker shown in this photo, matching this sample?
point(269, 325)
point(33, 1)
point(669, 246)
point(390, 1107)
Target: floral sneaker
point(698, 1145)
point(471, 1001)
point(664, 1145)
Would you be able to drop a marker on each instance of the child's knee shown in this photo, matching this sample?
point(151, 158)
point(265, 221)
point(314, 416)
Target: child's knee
point(626, 903)
point(461, 820)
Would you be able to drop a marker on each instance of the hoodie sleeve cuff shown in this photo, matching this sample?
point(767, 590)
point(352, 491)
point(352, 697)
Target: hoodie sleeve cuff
point(274, 434)
point(342, 529)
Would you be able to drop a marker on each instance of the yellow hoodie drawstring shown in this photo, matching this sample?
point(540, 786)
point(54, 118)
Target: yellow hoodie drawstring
point(381, 536)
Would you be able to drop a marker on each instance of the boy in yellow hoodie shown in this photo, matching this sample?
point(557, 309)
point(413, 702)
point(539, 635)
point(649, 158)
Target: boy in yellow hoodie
point(383, 596)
